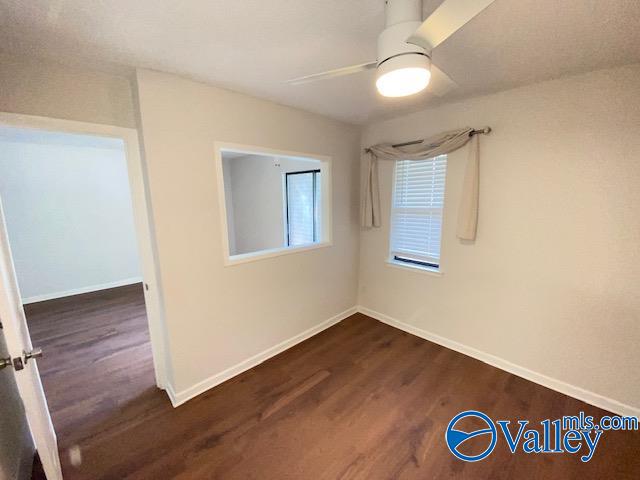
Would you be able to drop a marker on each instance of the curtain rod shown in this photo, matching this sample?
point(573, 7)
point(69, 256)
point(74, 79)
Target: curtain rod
point(483, 131)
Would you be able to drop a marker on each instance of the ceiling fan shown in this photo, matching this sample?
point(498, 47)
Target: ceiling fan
point(405, 45)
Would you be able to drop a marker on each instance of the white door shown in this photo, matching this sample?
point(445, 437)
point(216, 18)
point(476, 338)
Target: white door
point(25, 369)
point(16, 446)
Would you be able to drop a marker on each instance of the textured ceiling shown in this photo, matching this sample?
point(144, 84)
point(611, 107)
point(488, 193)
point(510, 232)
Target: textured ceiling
point(253, 46)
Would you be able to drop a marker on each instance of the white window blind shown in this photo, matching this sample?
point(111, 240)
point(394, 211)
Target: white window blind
point(416, 211)
point(302, 207)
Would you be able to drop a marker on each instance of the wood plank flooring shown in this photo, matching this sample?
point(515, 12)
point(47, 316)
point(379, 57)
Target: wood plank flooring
point(360, 400)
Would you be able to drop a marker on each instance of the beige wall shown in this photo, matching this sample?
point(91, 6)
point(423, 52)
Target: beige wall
point(43, 88)
point(219, 316)
point(551, 284)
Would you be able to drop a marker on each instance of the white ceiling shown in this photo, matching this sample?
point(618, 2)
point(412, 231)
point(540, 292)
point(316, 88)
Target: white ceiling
point(253, 46)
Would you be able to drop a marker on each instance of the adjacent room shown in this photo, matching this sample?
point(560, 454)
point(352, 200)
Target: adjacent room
point(69, 218)
point(377, 239)
point(273, 203)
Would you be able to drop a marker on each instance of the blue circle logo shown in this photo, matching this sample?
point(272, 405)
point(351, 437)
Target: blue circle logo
point(455, 438)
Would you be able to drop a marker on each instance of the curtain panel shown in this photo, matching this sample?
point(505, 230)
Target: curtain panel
point(432, 147)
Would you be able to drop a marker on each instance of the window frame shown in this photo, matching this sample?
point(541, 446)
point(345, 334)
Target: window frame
point(326, 217)
point(414, 265)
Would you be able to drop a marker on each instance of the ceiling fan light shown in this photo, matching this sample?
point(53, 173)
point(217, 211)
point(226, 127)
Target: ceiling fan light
point(403, 82)
point(403, 75)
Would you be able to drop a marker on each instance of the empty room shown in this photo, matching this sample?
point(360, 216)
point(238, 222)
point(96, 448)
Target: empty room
point(319, 240)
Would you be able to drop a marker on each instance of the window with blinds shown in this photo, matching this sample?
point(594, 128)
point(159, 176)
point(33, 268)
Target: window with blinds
point(416, 211)
point(303, 212)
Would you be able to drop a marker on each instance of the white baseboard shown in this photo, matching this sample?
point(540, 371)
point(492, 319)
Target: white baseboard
point(78, 291)
point(586, 396)
point(178, 398)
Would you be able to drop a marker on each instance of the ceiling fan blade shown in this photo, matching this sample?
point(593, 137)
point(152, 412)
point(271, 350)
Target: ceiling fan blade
point(440, 83)
point(338, 72)
point(445, 21)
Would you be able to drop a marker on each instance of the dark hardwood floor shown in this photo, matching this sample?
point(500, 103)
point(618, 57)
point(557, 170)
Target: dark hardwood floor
point(360, 400)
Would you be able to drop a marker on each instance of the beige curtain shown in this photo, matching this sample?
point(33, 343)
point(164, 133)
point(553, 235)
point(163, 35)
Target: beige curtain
point(468, 211)
point(439, 145)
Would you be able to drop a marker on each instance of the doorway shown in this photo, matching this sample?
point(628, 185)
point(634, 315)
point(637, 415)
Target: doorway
point(78, 225)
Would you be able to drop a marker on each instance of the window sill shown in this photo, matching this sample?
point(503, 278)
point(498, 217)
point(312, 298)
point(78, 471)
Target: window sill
point(415, 268)
point(274, 252)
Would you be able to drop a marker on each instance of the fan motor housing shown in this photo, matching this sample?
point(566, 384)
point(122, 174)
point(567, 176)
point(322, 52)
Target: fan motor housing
point(403, 18)
point(400, 11)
